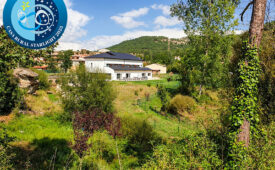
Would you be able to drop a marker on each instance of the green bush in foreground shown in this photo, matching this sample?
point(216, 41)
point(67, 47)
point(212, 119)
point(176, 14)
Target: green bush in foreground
point(44, 83)
point(140, 136)
point(180, 104)
point(5, 158)
point(10, 94)
point(191, 152)
point(82, 91)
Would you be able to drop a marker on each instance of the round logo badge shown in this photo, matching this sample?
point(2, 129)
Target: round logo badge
point(35, 24)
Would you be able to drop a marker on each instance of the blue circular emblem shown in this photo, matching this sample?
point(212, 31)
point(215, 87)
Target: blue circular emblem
point(35, 24)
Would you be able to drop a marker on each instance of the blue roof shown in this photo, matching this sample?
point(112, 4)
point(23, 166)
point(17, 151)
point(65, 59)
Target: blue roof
point(113, 55)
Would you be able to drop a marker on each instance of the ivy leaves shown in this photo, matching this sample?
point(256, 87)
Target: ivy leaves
point(245, 100)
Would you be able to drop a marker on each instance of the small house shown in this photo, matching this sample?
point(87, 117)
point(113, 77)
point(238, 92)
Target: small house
point(157, 68)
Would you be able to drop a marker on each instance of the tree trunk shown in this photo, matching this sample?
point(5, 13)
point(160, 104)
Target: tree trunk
point(257, 22)
point(244, 133)
point(255, 37)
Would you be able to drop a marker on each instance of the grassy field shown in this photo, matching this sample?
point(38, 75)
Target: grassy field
point(41, 135)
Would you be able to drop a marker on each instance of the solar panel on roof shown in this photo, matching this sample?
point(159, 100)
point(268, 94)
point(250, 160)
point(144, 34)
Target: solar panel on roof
point(113, 55)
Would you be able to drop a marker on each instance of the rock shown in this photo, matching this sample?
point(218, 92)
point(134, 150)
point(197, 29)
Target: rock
point(27, 79)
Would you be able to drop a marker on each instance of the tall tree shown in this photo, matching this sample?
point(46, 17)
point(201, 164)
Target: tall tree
point(65, 58)
point(207, 24)
point(50, 59)
point(255, 37)
point(11, 56)
point(257, 22)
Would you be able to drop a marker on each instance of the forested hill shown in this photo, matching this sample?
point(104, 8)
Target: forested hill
point(148, 43)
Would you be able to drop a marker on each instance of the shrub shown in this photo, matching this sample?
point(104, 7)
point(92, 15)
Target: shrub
point(191, 152)
point(180, 104)
point(5, 158)
point(82, 91)
point(164, 97)
point(140, 136)
point(149, 84)
point(87, 123)
point(10, 94)
point(103, 146)
point(136, 92)
point(44, 83)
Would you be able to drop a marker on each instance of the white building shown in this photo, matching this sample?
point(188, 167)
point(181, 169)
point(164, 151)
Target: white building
point(119, 66)
point(158, 68)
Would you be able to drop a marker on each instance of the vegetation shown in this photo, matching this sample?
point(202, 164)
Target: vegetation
point(65, 58)
point(83, 91)
point(152, 49)
point(43, 79)
point(211, 116)
point(205, 61)
point(10, 94)
point(180, 104)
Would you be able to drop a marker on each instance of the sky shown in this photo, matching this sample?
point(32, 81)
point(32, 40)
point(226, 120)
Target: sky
point(98, 24)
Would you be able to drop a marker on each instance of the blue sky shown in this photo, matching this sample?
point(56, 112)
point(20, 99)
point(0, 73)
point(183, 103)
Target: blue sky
point(97, 24)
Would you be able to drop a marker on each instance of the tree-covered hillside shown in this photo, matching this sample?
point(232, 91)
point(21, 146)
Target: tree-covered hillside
point(148, 43)
point(152, 48)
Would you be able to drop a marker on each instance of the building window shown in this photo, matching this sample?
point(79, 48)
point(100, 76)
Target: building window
point(118, 76)
point(143, 74)
point(127, 75)
point(149, 74)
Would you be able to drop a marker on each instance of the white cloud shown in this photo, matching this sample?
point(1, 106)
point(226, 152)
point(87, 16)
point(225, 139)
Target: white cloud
point(127, 19)
point(166, 22)
point(165, 8)
point(76, 22)
point(100, 42)
point(2, 4)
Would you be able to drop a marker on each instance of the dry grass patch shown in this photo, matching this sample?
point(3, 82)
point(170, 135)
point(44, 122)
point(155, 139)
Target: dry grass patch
point(126, 101)
point(41, 103)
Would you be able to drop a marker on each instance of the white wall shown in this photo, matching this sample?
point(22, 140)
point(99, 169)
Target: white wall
point(134, 74)
point(100, 65)
point(163, 69)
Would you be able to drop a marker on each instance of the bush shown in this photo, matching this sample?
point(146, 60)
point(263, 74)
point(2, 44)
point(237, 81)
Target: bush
point(141, 138)
point(136, 92)
point(180, 104)
point(191, 152)
point(44, 83)
point(5, 158)
point(10, 94)
point(82, 91)
point(85, 124)
point(164, 97)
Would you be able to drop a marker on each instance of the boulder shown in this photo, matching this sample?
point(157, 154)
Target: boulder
point(27, 79)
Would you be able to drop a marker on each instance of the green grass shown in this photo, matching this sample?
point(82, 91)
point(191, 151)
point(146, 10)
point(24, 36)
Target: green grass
point(53, 97)
point(167, 126)
point(30, 128)
point(37, 140)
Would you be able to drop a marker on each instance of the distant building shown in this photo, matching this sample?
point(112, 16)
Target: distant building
point(157, 68)
point(41, 67)
point(119, 66)
point(177, 58)
point(103, 50)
